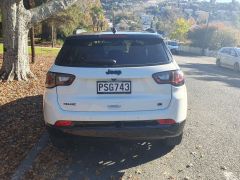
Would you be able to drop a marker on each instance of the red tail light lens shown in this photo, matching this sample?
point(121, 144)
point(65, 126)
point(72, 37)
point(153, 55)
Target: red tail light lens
point(166, 121)
point(175, 78)
point(63, 123)
point(58, 79)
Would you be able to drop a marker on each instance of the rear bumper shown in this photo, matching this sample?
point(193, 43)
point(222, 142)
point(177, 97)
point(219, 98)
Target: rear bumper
point(135, 133)
point(176, 110)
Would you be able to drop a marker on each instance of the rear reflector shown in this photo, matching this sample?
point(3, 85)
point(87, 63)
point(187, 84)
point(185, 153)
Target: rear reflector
point(166, 121)
point(63, 123)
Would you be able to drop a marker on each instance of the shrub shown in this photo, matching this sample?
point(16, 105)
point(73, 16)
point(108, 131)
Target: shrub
point(213, 37)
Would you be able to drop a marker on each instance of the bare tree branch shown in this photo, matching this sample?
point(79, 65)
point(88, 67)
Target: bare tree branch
point(48, 9)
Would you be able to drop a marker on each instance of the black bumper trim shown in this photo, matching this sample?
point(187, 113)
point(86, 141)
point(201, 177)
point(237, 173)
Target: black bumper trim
point(148, 132)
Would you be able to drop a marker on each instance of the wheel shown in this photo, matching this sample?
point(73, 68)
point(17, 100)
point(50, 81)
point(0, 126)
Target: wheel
point(236, 67)
point(174, 51)
point(171, 142)
point(218, 63)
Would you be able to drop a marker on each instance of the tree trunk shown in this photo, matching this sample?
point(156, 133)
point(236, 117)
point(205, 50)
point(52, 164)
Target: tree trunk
point(54, 38)
point(16, 24)
point(15, 40)
point(32, 35)
point(46, 31)
point(0, 29)
point(31, 4)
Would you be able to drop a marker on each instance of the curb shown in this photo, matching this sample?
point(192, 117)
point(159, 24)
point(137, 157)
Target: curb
point(26, 164)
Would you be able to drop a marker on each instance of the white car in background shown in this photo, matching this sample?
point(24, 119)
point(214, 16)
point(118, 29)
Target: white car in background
point(229, 57)
point(123, 86)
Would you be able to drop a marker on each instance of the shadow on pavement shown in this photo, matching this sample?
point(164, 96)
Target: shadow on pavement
point(99, 159)
point(21, 125)
point(185, 54)
point(210, 72)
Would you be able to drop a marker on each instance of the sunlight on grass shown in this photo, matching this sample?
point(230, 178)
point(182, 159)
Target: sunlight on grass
point(46, 51)
point(40, 51)
point(1, 48)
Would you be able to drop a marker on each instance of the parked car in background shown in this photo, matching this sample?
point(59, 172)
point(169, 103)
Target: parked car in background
point(229, 57)
point(173, 46)
point(123, 85)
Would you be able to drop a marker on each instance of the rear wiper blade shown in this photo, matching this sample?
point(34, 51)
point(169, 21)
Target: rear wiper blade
point(100, 61)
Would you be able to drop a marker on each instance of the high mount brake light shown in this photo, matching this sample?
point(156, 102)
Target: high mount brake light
point(175, 78)
point(113, 36)
point(58, 79)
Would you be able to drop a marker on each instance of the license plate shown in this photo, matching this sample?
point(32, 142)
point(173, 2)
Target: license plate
point(114, 87)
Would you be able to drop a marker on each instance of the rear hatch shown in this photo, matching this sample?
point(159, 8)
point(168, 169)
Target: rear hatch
point(113, 73)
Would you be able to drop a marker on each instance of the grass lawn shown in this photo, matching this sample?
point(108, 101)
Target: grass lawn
point(1, 48)
point(40, 51)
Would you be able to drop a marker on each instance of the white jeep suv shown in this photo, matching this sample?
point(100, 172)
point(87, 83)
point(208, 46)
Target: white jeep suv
point(123, 85)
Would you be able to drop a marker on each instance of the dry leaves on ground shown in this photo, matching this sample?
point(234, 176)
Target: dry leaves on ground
point(47, 167)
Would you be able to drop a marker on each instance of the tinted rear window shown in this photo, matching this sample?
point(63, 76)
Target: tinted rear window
point(226, 50)
point(113, 52)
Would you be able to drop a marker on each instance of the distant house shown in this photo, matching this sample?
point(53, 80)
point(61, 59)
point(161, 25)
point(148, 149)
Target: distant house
point(189, 11)
point(146, 20)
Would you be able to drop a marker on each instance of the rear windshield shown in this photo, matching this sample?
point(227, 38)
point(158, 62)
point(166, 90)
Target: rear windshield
point(113, 52)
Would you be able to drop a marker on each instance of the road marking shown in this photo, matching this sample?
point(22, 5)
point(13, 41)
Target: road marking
point(230, 176)
point(26, 164)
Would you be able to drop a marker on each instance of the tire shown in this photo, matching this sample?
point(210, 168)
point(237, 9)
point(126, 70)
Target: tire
point(174, 51)
point(171, 142)
point(236, 67)
point(218, 63)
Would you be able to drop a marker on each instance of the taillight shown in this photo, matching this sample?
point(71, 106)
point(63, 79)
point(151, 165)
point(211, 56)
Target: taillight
point(175, 78)
point(63, 123)
point(58, 79)
point(166, 121)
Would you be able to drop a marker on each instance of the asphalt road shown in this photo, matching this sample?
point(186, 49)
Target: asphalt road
point(210, 148)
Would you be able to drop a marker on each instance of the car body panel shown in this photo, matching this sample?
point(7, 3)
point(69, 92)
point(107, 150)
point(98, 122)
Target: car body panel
point(176, 110)
point(148, 100)
point(146, 93)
